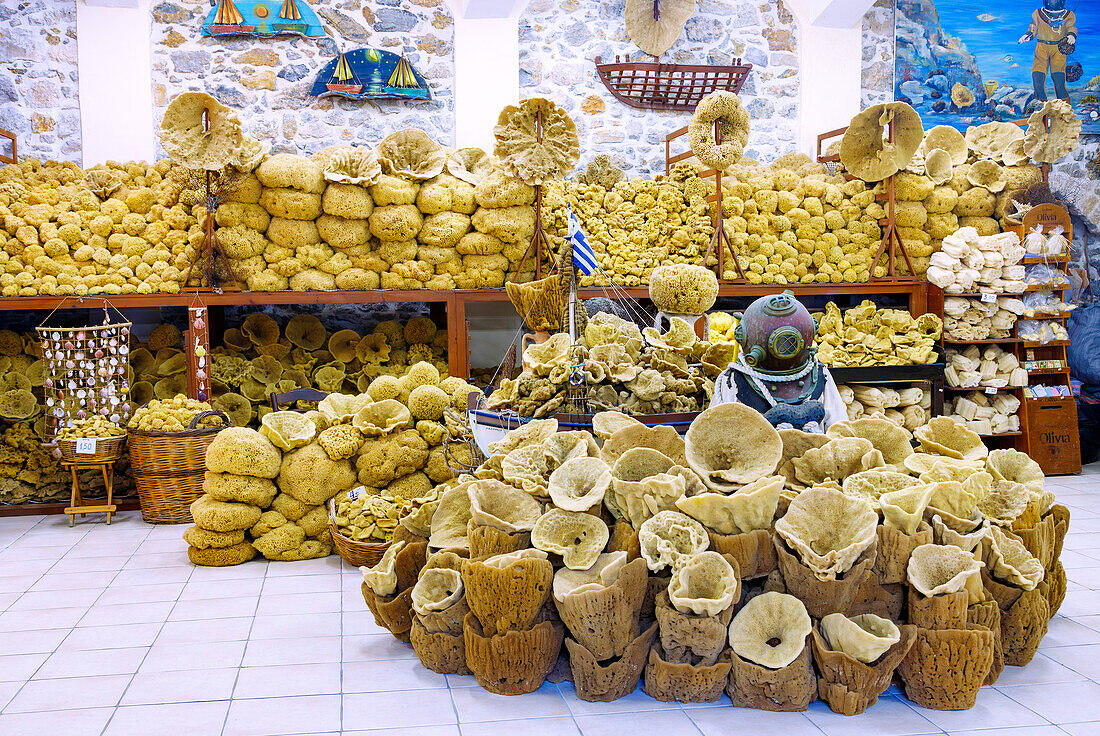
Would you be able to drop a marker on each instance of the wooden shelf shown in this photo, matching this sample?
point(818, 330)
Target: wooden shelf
point(981, 389)
point(1048, 372)
point(1001, 434)
point(991, 341)
point(1031, 259)
point(32, 509)
point(1049, 287)
point(1051, 344)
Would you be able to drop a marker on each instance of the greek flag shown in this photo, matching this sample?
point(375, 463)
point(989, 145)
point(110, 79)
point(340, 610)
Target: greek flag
point(583, 257)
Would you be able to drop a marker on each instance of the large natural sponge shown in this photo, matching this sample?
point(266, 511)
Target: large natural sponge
point(221, 556)
point(243, 451)
point(867, 154)
point(683, 288)
point(221, 516)
point(191, 143)
point(240, 488)
point(288, 171)
point(828, 529)
point(767, 618)
point(731, 445)
point(311, 476)
point(520, 152)
point(411, 153)
point(725, 109)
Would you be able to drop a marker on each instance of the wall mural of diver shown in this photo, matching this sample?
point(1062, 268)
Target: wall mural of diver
point(968, 62)
point(1054, 30)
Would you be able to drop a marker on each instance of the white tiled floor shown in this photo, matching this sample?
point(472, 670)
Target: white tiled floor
point(109, 630)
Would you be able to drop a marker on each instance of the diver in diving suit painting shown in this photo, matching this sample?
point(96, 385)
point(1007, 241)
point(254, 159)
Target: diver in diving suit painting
point(1055, 32)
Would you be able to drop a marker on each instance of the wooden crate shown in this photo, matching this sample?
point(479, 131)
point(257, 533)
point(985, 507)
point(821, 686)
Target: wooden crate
point(1053, 439)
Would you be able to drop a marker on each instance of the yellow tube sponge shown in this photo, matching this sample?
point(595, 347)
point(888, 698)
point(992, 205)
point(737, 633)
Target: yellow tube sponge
point(285, 170)
point(444, 230)
point(396, 222)
point(311, 476)
point(291, 204)
point(243, 451)
point(341, 232)
point(347, 200)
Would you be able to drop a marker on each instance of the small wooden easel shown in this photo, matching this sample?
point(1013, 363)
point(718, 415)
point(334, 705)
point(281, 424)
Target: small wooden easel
point(77, 504)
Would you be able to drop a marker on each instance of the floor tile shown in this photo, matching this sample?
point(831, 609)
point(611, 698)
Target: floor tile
point(127, 594)
point(1047, 730)
point(415, 731)
point(1063, 631)
point(394, 675)
point(411, 710)
point(888, 717)
point(278, 716)
point(286, 680)
point(375, 646)
point(1072, 702)
point(201, 719)
point(315, 650)
point(111, 637)
point(992, 709)
point(300, 603)
point(527, 727)
point(295, 625)
point(64, 663)
point(1081, 658)
point(214, 630)
point(77, 722)
point(73, 692)
point(475, 704)
point(55, 618)
point(19, 667)
point(180, 686)
point(129, 613)
point(722, 721)
point(223, 589)
point(73, 580)
point(635, 701)
point(666, 723)
point(41, 600)
point(1040, 670)
point(292, 584)
point(32, 642)
point(193, 656)
point(1081, 729)
point(205, 610)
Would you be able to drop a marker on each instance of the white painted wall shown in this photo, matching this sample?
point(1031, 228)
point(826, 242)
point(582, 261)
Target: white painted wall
point(116, 83)
point(116, 91)
point(831, 62)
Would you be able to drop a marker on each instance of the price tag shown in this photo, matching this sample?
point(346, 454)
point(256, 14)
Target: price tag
point(85, 446)
point(990, 390)
point(989, 298)
point(356, 492)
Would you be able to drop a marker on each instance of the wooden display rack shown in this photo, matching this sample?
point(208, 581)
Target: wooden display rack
point(1049, 424)
point(77, 504)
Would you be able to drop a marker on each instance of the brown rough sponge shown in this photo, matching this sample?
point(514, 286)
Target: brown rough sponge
point(403, 534)
point(1061, 526)
point(409, 562)
point(947, 611)
point(561, 672)
point(1024, 617)
point(791, 688)
point(449, 621)
point(987, 615)
point(753, 551)
point(610, 679)
point(894, 549)
point(690, 639)
point(393, 613)
point(1054, 587)
point(822, 597)
point(624, 539)
point(944, 670)
point(850, 686)
point(487, 541)
point(655, 585)
point(605, 622)
point(439, 651)
point(685, 683)
point(887, 601)
point(221, 556)
point(514, 662)
point(508, 599)
point(1039, 540)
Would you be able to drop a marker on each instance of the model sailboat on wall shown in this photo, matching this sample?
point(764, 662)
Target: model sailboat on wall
point(263, 18)
point(364, 74)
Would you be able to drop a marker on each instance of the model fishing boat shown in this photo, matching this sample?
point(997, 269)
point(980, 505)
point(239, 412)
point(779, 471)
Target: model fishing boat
point(290, 19)
point(343, 78)
point(228, 20)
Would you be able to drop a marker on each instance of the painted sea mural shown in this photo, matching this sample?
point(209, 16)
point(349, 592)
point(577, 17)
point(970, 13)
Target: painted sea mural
point(967, 62)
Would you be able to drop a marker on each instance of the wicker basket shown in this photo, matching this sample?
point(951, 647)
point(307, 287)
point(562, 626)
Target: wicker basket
point(106, 450)
point(168, 468)
point(356, 554)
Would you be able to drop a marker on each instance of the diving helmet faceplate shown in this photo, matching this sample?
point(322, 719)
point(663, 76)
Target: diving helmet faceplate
point(776, 333)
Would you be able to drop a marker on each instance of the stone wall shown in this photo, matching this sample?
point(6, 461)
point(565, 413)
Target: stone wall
point(268, 80)
point(560, 38)
point(878, 54)
point(39, 95)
